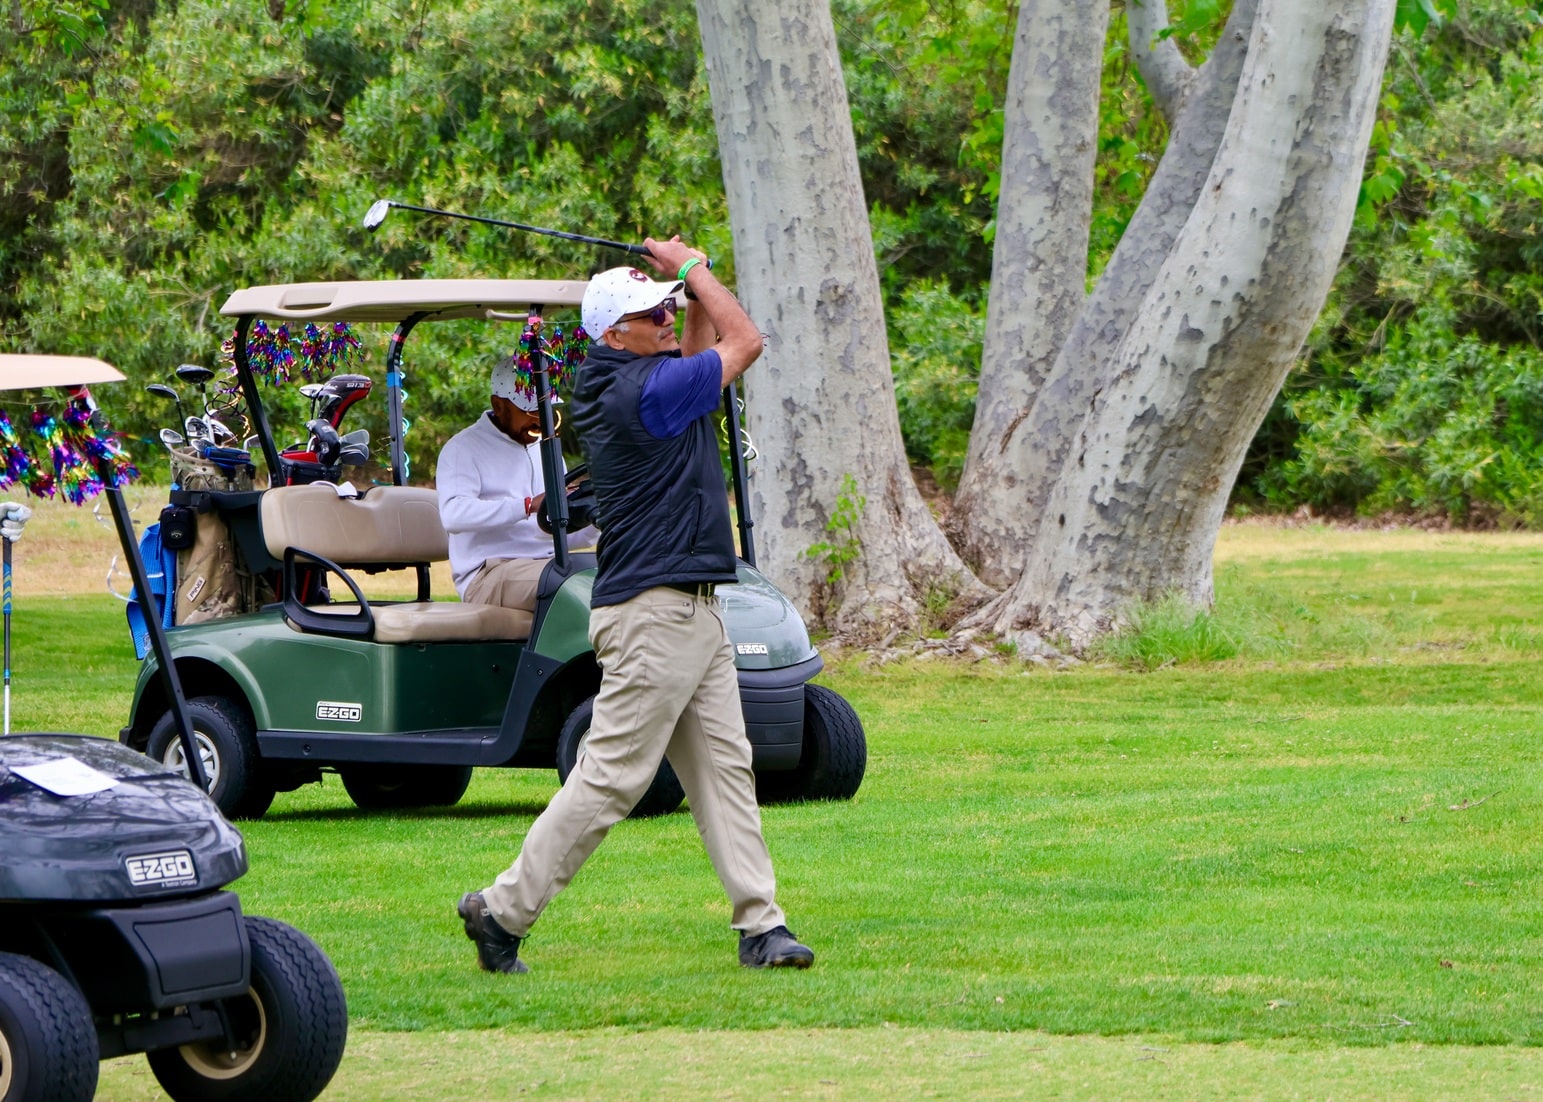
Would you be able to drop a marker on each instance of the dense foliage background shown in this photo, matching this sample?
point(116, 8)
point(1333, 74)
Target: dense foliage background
point(153, 157)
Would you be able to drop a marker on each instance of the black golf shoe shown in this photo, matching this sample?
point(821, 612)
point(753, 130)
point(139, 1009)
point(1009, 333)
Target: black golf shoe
point(497, 949)
point(776, 948)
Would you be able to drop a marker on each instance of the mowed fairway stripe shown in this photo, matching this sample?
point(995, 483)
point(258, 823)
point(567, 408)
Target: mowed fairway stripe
point(887, 1063)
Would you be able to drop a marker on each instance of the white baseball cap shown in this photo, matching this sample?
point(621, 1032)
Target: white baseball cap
point(620, 291)
point(507, 383)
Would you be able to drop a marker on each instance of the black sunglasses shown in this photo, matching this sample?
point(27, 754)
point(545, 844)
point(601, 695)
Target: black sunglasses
point(658, 315)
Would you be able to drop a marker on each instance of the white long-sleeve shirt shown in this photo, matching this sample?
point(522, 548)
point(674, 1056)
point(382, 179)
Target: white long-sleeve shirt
point(483, 480)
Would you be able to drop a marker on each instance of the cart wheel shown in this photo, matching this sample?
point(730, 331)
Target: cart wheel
point(834, 757)
point(291, 1025)
point(227, 748)
point(48, 1050)
point(385, 787)
point(663, 796)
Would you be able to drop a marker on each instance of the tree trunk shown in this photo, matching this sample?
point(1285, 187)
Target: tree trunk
point(1035, 447)
point(820, 402)
point(1134, 511)
point(1039, 263)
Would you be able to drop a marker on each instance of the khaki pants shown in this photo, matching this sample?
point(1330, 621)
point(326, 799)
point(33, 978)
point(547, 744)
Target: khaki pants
point(511, 583)
point(669, 688)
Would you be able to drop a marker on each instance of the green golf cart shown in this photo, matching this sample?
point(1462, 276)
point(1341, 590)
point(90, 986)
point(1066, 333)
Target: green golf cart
point(403, 698)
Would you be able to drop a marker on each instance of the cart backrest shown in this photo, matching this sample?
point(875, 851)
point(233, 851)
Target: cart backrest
point(387, 524)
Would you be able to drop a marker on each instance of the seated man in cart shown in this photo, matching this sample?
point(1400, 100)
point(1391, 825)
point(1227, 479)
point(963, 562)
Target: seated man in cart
point(491, 485)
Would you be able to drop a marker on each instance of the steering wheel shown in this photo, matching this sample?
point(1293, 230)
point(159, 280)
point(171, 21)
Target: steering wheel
point(581, 501)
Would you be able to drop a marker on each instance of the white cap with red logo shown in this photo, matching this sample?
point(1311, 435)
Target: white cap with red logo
point(621, 291)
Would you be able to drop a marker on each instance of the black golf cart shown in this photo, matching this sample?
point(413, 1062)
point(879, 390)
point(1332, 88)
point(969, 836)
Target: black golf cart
point(404, 698)
point(116, 933)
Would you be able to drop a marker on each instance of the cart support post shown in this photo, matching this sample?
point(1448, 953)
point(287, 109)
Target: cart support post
point(551, 447)
point(254, 403)
point(158, 644)
point(394, 399)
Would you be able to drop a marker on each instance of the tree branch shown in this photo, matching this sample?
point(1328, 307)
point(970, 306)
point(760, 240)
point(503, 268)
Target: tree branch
point(1168, 76)
point(19, 21)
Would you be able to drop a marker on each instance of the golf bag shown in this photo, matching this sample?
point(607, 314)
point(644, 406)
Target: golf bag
point(211, 580)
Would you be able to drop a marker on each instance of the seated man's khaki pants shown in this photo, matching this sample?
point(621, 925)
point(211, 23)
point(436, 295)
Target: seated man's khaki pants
point(511, 583)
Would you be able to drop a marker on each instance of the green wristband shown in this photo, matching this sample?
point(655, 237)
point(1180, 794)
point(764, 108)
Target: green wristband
point(686, 267)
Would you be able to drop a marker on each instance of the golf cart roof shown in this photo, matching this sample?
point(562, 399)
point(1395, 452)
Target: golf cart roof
point(394, 300)
point(26, 371)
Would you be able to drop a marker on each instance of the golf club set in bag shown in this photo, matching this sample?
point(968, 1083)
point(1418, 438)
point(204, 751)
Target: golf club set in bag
point(196, 573)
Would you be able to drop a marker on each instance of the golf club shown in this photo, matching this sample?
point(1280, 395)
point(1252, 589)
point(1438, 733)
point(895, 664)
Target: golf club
point(198, 377)
point(325, 441)
point(382, 207)
point(197, 430)
point(161, 390)
point(332, 398)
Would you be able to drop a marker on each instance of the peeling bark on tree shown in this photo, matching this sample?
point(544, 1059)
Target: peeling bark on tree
point(1135, 510)
point(1036, 446)
point(1039, 262)
point(820, 402)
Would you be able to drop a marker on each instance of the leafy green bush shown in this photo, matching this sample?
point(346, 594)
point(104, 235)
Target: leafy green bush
point(1434, 422)
point(935, 346)
point(1422, 387)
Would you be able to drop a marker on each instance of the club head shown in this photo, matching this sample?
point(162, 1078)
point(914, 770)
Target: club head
point(197, 430)
point(358, 436)
point(377, 213)
point(324, 441)
point(194, 375)
point(161, 390)
point(337, 394)
point(354, 455)
point(219, 431)
point(171, 438)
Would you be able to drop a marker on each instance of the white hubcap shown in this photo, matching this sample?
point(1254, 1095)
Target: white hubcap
point(175, 759)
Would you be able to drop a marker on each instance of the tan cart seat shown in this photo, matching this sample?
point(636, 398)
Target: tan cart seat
point(388, 526)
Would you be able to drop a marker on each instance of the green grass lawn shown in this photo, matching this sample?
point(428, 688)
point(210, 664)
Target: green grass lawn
point(1306, 867)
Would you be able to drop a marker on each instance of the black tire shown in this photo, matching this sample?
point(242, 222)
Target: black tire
point(48, 1050)
point(294, 1024)
point(834, 757)
point(227, 745)
point(391, 787)
point(663, 796)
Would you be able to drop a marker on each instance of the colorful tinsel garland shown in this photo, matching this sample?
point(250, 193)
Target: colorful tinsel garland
point(276, 357)
point(55, 453)
point(563, 351)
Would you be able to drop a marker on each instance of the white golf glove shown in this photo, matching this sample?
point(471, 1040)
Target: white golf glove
point(13, 518)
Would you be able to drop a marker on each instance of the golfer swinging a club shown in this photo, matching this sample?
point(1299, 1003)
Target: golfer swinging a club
point(643, 404)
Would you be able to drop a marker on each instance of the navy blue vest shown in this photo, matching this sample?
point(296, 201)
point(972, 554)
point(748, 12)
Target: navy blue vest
point(663, 510)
